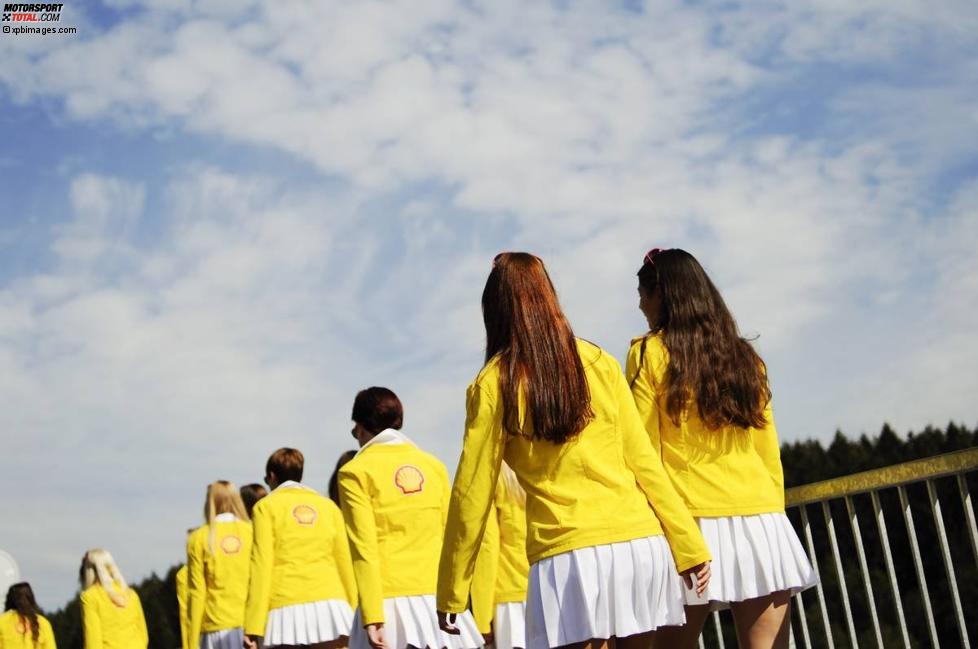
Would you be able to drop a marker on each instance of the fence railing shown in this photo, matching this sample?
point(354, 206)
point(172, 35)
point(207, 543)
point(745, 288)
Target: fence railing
point(887, 597)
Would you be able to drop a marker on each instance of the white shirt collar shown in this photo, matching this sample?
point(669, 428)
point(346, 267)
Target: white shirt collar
point(386, 438)
point(226, 517)
point(292, 484)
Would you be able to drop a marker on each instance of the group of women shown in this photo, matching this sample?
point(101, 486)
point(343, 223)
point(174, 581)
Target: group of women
point(590, 507)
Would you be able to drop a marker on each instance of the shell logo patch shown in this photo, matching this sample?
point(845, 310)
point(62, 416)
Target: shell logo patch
point(230, 544)
point(21, 627)
point(409, 479)
point(304, 514)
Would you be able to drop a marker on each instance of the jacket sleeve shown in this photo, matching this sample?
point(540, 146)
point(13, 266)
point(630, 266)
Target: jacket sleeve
point(687, 544)
point(260, 581)
point(91, 621)
point(341, 554)
point(484, 578)
point(769, 449)
point(196, 586)
point(472, 493)
point(142, 640)
point(639, 372)
point(362, 532)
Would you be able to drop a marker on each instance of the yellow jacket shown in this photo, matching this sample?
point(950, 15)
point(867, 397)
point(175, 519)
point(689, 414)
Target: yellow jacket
point(501, 571)
point(217, 581)
point(108, 626)
point(300, 554)
point(604, 485)
point(180, 580)
point(394, 498)
point(726, 472)
point(15, 632)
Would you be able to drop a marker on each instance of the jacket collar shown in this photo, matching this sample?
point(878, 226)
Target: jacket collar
point(386, 437)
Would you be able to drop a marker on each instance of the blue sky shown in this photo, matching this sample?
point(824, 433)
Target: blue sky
point(222, 219)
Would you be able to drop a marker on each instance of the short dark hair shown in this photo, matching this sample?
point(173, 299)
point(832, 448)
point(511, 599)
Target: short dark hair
point(378, 409)
point(286, 464)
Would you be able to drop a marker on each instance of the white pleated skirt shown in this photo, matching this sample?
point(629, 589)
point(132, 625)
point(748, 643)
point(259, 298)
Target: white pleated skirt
point(413, 621)
point(223, 639)
point(309, 623)
point(509, 625)
point(603, 591)
point(753, 556)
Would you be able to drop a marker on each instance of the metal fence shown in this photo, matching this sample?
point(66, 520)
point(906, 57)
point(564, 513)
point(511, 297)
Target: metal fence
point(816, 624)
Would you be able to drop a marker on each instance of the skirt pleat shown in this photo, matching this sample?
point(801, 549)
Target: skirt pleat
point(413, 621)
point(753, 556)
point(603, 591)
point(309, 623)
point(223, 639)
point(509, 625)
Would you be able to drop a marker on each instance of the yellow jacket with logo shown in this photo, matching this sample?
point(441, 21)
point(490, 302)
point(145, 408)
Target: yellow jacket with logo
point(726, 472)
point(604, 485)
point(217, 578)
point(299, 554)
point(501, 571)
point(109, 626)
point(16, 633)
point(180, 580)
point(394, 498)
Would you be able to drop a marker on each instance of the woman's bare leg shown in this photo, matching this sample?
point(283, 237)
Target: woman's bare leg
point(593, 643)
point(637, 641)
point(762, 623)
point(686, 636)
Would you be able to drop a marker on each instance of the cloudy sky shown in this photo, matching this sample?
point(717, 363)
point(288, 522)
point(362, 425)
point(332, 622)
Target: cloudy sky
point(223, 218)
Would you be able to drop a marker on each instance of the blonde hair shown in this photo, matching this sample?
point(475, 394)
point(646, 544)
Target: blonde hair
point(511, 485)
point(98, 566)
point(222, 498)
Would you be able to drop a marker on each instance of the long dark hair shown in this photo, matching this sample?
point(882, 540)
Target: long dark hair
point(709, 361)
point(20, 598)
point(537, 351)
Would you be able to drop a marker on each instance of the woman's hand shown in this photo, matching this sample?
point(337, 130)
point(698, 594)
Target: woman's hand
point(375, 636)
point(446, 622)
point(251, 642)
point(702, 575)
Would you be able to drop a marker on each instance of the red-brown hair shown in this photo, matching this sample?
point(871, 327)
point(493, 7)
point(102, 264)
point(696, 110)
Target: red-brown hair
point(538, 357)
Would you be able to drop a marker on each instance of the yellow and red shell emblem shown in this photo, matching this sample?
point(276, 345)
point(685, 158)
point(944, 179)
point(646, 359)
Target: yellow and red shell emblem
point(409, 479)
point(21, 628)
point(304, 514)
point(230, 544)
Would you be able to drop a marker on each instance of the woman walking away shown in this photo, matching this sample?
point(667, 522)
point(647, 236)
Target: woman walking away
point(501, 571)
point(302, 589)
point(703, 394)
point(558, 411)
point(218, 557)
point(394, 498)
point(112, 615)
point(22, 626)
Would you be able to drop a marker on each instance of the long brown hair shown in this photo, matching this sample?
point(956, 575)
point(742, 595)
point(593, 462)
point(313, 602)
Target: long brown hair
point(20, 598)
point(537, 351)
point(709, 361)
